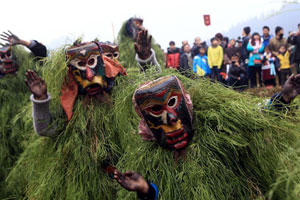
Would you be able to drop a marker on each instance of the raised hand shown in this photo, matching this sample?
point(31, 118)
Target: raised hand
point(11, 38)
point(36, 85)
point(143, 44)
point(132, 181)
point(291, 88)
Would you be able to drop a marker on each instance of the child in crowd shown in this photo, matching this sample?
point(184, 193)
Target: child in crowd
point(268, 69)
point(200, 63)
point(215, 59)
point(237, 73)
point(284, 63)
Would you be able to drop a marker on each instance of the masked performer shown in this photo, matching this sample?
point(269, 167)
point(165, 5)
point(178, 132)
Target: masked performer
point(222, 147)
point(133, 40)
point(75, 158)
point(14, 61)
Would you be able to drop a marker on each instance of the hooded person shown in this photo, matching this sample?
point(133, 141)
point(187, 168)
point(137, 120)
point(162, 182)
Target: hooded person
point(213, 144)
point(132, 39)
point(14, 61)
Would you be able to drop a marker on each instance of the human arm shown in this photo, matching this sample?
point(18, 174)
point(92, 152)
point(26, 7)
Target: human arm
point(290, 91)
point(209, 57)
point(38, 49)
point(133, 181)
point(250, 47)
point(262, 48)
point(42, 119)
point(221, 56)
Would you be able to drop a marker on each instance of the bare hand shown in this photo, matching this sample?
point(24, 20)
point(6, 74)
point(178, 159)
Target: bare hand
point(36, 85)
point(132, 181)
point(291, 88)
point(11, 38)
point(143, 45)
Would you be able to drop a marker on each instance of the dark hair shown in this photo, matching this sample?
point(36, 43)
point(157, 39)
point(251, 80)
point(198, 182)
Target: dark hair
point(266, 27)
point(278, 29)
point(219, 36)
point(247, 30)
point(171, 43)
point(197, 49)
point(298, 25)
point(212, 39)
point(226, 39)
point(252, 38)
point(202, 47)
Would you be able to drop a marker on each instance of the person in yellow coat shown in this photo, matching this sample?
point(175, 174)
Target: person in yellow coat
point(215, 59)
point(285, 67)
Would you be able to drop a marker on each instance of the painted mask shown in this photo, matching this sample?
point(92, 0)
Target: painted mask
point(7, 63)
point(87, 67)
point(111, 51)
point(133, 26)
point(166, 112)
point(89, 73)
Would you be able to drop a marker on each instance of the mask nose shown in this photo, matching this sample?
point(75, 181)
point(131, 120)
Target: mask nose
point(171, 119)
point(89, 74)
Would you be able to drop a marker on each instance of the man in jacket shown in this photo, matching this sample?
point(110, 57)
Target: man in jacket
point(173, 56)
point(186, 61)
point(294, 39)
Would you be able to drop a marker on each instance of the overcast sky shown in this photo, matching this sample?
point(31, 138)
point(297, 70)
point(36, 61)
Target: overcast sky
point(57, 22)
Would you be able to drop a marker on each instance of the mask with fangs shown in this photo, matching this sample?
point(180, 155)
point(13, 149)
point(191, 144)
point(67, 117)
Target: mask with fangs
point(166, 112)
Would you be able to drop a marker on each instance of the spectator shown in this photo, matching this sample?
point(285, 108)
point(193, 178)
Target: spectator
point(226, 42)
point(173, 56)
point(255, 48)
point(285, 67)
point(215, 59)
point(184, 42)
point(294, 39)
point(197, 44)
point(245, 41)
point(274, 45)
point(200, 63)
point(266, 35)
point(220, 40)
point(186, 61)
point(268, 69)
point(237, 72)
point(230, 51)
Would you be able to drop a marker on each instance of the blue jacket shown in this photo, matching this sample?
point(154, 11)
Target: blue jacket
point(266, 40)
point(200, 65)
point(255, 59)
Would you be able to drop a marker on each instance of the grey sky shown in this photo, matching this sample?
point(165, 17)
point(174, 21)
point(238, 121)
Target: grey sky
point(57, 22)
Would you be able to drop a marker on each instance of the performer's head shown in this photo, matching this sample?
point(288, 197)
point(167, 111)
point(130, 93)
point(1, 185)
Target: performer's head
point(166, 112)
point(87, 67)
point(7, 62)
point(133, 26)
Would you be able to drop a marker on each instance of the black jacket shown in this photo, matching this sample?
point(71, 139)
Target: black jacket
point(235, 71)
point(295, 40)
point(38, 50)
point(184, 63)
point(244, 52)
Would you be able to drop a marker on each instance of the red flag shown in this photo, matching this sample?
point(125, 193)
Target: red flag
point(206, 20)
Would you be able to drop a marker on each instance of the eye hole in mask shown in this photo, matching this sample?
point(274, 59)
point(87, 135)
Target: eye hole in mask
point(172, 102)
point(110, 55)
